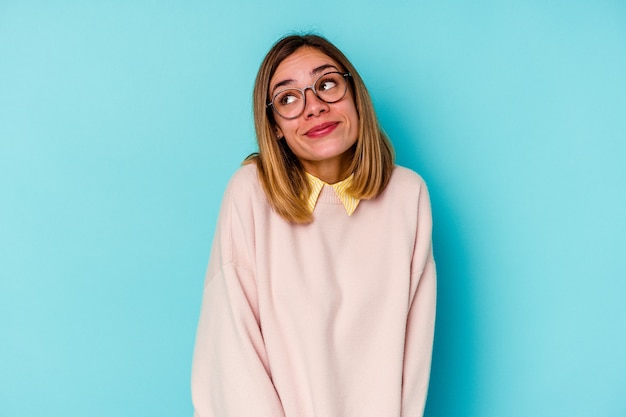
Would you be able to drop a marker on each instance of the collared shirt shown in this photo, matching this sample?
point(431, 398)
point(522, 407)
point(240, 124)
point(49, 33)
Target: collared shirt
point(349, 202)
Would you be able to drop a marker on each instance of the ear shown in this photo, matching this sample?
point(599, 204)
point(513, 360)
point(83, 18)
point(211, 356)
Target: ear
point(278, 132)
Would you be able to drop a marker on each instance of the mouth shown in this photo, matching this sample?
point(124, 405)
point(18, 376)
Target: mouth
point(321, 130)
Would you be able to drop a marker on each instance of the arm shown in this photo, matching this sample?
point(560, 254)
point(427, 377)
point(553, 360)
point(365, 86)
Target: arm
point(230, 372)
point(419, 344)
point(230, 375)
point(420, 324)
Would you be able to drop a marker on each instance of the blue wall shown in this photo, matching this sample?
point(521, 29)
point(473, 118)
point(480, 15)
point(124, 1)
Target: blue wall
point(121, 122)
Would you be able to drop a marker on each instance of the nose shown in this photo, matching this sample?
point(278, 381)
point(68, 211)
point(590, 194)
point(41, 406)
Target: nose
point(313, 105)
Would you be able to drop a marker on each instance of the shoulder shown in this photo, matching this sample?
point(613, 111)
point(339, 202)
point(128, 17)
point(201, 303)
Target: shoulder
point(244, 185)
point(406, 192)
point(406, 180)
point(243, 201)
point(245, 176)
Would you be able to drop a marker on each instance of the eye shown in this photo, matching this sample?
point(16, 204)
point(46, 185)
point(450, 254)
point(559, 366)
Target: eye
point(287, 98)
point(327, 83)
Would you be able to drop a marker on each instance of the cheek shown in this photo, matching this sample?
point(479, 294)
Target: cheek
point(354, 120)
point(287, 128)
point(352, 113)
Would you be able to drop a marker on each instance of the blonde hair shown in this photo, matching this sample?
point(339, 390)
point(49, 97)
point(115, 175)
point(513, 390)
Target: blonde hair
point(280, 172)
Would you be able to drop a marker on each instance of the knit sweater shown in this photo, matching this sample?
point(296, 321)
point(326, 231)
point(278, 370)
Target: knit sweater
point(334, 318)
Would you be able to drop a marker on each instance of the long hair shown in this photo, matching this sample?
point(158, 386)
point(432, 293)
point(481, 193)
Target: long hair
point(280, 172)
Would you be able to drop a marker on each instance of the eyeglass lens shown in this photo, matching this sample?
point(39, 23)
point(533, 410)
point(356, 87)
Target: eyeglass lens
point(329, 87)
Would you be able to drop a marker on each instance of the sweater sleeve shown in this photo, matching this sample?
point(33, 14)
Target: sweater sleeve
point(421, 317)
point(230, 371)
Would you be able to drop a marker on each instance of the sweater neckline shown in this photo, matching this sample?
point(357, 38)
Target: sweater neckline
point(331, 193)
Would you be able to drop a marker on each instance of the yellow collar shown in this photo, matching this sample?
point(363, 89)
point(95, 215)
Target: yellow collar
point(349, 202)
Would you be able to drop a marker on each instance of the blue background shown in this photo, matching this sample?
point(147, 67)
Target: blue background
point(122, 121)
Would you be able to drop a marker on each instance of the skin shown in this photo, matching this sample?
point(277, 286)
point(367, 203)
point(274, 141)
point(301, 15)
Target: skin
point(323, 136)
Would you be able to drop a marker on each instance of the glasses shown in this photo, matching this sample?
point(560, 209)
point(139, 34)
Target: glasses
point(330, 88)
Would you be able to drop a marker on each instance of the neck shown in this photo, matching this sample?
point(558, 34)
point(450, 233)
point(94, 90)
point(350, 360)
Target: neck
point(331, 177)
point(330, 171)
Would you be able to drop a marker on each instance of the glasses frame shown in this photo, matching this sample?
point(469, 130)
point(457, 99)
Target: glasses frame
point(311, 87)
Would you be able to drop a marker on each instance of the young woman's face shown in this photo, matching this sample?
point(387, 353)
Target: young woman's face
point(323, 136)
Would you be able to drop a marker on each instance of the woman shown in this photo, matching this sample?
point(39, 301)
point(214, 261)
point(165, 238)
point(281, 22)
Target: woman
point(320, 292)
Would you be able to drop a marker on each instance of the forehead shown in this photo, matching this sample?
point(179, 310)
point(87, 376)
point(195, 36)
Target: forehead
point(299, 66)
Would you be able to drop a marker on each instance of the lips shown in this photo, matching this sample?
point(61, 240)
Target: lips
point(321, 129)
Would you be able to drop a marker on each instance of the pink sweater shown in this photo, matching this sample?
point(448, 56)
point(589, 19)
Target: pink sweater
point(330, 319)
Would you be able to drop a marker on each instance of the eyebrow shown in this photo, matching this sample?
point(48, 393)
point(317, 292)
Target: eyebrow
point(315, 71)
